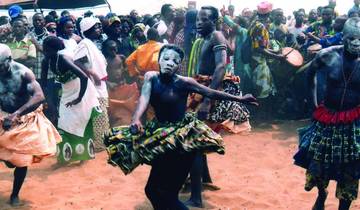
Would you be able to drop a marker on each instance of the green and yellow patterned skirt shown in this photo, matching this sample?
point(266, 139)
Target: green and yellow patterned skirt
point(75, 148)
point(128, 151)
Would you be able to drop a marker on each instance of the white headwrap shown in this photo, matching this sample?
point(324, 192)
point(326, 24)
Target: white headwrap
point(88, 23)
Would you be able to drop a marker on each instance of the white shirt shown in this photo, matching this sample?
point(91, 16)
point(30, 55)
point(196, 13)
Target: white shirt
point(97, 62)
point(70, 46)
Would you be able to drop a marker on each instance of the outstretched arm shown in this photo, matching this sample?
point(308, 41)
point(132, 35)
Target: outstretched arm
point(194, 86)
point(313, 37)
point(143, 101)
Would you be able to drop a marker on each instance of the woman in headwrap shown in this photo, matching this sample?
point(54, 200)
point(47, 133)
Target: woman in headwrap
point(137, 35)
point(65, 32)
point(78, 104)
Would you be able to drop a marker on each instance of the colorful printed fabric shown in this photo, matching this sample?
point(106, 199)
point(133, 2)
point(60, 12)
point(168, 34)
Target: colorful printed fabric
point(75, 148)
point(23, 48)
point(224, 115)
point(180, 41)
point(240, 68)
point(346, 189)
point(261, 77)
point(128, 151)
point(259, 34)
point(63, 77)
point(101, 124)
point(330, 151)
point(29, 141)
point(276, 46)
point(232, 110)
point(320, 30)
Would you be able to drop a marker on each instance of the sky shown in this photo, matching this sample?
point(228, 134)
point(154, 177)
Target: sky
point(153, 6)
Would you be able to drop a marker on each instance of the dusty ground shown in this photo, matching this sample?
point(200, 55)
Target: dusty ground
point(257, 172)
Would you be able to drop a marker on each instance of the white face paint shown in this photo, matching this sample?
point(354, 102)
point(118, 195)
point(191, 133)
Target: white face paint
point(351, 33)
point(5, 59)
point(353, 45)
point(169, 61)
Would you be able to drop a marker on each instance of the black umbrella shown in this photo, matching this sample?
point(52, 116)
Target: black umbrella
point(51, 4)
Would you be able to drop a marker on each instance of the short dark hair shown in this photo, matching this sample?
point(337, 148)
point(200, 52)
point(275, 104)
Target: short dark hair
point(242, 21)
point(277, 10)
point(165, 8)
point(105, 46)
point(214, 12)
point(126, 19)
point(38, 14)
point(17, 19)
point(65, 12)
point(49, 19)
point(152, 34)
point(327, 7)
point(52, 42)
point(53, 13)
point(172, 47)
point(4, 20)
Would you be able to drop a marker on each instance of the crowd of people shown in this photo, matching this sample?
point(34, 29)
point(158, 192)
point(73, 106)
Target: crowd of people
point(89, 71)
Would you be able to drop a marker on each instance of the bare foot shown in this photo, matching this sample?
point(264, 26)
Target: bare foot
point(210, 186)
point(192, 203)
point(15, 202)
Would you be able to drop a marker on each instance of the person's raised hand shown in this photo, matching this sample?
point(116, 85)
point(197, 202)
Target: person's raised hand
point(250, 99)
point(10, 120)
point(136, 127)
point(72, 103)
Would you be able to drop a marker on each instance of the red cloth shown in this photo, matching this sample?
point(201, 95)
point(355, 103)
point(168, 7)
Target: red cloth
point(326, 116)
point(264, 7)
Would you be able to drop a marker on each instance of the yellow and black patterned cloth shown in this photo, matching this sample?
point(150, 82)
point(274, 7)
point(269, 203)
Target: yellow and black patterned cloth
point(128, 151)
point(329, 149)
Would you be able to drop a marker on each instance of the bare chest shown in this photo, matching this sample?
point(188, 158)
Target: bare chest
point(12, 90)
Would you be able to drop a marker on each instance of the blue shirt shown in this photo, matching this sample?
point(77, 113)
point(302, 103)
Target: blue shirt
point(337, 39)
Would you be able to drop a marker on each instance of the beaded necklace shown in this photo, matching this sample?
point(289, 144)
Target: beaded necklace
point(347, 80)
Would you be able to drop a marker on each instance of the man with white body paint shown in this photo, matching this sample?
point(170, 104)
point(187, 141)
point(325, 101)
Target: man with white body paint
point(26, 135)
point(329, 149)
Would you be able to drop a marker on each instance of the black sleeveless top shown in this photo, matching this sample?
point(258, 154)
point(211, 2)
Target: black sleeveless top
point(168, 100)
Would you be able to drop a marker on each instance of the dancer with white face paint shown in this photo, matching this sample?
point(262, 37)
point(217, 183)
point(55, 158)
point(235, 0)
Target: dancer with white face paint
point(169, 62)
point(170, 142)
point(330, 147)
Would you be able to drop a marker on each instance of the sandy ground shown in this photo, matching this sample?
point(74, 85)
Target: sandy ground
point(257, 172)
